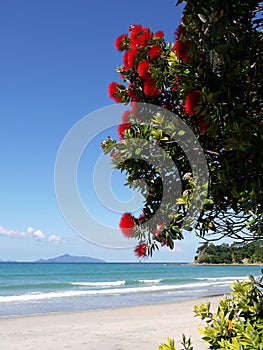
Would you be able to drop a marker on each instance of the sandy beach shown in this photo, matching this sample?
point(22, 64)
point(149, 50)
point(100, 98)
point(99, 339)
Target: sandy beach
point(128, 328)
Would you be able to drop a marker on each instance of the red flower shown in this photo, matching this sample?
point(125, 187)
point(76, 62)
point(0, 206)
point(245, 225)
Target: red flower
point(140, 36)
point(142, 217)
point(112, 90)
point(141, 250)
point(159, 34)
point(159, 230)
point(125, 116)
point(181, 48)
point(191, 102)
point(141, 40)
point(134, 107)
point(143, 68)
point(165, 243)
point(203, 126)
point(136, 29)
point(126, 61)
point(119, 42)
point(176, 85)
point(180, 31)
point(128, 58)
point(127, 225)
point(150, 88)
point(134, 97)
point(122, 128)
point(132, 93)
point(154, 52)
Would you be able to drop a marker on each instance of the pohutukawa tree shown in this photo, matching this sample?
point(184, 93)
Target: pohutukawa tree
point(211, 77)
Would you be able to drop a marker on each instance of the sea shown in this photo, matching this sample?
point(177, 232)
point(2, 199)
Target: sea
point(35, 288)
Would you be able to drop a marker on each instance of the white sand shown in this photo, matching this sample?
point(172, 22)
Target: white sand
point(127, 328)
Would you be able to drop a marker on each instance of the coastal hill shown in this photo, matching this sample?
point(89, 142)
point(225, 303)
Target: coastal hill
point(66, 258)
point(236, 253)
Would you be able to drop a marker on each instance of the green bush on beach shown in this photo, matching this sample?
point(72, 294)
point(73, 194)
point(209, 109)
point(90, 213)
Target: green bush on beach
point(237, 324)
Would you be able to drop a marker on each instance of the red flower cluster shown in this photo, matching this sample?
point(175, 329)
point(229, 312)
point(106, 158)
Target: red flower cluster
point(143, 69)
point(191, 102)
point(119, 42)
point(133, 93)
point(122, 128)
point(204, 128)
point(181, 48)
point(154, 52)
point(159, 34)
point(141, 250)
point(134, 107)
point(125, 116)
point(142, 217)
point(177, 84)
point(141, 47)
point(140, 36)
point(150, 88)
point(160, 228)
point(180, 32)
point(129, 58)
point(112, 91)
point(138, 39)
point(112, 88)
point(127, 225)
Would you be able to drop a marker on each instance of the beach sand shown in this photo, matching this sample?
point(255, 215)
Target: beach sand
point(128, 328)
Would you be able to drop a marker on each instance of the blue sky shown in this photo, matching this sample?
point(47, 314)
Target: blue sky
point(57, 59)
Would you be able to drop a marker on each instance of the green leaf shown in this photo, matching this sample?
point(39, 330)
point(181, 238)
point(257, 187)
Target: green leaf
point(138, 151)
point(208, 201)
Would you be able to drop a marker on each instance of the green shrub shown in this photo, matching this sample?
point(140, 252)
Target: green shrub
point(187, 344)
point(237, 324)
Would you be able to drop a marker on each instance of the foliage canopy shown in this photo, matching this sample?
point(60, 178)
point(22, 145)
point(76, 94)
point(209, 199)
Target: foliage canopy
point(211, 77)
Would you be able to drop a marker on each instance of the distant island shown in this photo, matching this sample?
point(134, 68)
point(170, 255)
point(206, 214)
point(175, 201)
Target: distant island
point(236, 253)
point(66, 258)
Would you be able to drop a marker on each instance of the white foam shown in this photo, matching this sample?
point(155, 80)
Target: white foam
point(99, 284)
point(113, 291)
point(150, 281)
point(227, 278)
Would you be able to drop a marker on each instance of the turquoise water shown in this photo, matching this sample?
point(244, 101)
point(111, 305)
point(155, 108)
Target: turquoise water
point(30, 288)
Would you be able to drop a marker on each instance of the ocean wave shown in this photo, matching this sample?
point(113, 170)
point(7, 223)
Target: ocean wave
point(226, 278)
point(115, 283)
point(113, 291)
point(150, 281)
point(99, 284)
point(46, 285)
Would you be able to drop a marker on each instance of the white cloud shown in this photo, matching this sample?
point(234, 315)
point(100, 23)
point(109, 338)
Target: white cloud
point(11, 233)
point(35, 234)
point(55, 239)
point(30, 230)
point(38, 235)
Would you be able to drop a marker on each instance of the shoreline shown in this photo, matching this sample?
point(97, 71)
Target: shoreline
point(123, 328)
point(222, 264)
point(51, 313)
